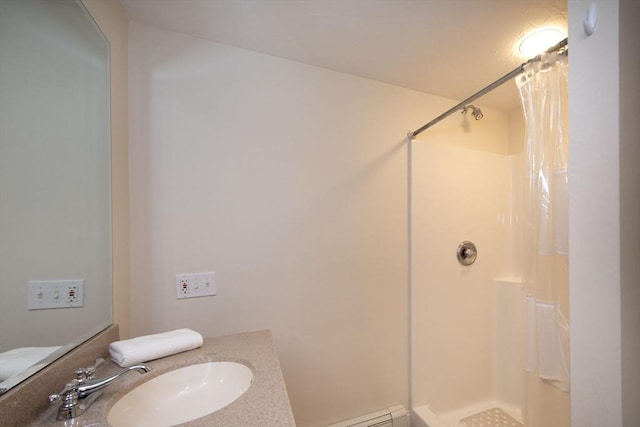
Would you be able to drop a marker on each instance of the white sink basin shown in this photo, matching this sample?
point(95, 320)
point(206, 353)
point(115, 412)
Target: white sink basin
point(181, 395)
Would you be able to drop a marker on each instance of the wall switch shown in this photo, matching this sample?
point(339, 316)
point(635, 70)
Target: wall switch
point(55, 294)
point(195, 285)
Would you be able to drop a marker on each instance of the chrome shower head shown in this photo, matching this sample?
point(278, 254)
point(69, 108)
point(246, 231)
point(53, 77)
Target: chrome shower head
point(475, 111)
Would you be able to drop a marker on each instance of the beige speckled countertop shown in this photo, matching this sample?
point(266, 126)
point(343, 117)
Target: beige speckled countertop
point(265, 404)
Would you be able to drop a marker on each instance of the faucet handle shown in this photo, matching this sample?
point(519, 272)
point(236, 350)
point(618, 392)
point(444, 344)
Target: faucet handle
point(68, 400)
point(87, 373)
point(68, 394)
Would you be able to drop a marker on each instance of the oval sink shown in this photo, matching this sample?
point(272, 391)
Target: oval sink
point(181, 395)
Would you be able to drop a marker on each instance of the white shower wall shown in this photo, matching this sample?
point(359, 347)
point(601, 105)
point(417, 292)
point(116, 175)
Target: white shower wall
point(465, 322)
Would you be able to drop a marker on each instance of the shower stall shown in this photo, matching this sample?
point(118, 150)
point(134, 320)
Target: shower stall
point(489, 285)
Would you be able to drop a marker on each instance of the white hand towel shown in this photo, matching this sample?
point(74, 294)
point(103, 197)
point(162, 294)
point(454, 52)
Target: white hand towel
point(19, 359)
point(149, 347)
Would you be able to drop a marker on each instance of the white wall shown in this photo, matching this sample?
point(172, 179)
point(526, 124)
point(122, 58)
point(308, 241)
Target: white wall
point(460, 191)
point(54, 169)
point(290, 182)
point(604, 210)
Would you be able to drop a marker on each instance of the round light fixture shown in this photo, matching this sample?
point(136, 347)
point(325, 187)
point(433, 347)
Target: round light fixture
point(539, 41)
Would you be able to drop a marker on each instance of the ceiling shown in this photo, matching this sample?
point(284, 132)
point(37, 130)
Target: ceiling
point(450, 48)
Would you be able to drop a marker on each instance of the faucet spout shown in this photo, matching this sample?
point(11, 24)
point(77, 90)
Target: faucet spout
point(90, 386)
point(79, 394)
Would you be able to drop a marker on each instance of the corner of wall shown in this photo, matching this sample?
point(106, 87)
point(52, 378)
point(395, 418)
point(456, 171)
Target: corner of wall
point(594, 214)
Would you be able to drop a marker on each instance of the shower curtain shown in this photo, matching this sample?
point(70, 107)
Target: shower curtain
point(543, 93)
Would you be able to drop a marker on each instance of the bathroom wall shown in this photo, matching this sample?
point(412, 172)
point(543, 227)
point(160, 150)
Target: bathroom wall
point(461, 191)
point(604, 208)
point(290, 182)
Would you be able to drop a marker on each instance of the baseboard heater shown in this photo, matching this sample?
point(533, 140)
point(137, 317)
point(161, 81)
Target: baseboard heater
point(395, 416)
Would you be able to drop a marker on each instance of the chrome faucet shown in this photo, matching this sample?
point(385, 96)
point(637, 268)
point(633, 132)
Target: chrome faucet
point(78, 394)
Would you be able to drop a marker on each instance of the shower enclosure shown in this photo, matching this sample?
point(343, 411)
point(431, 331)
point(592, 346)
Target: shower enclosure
point(489, 339)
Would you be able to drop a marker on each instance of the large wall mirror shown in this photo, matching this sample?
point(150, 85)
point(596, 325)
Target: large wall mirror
point(55, 198)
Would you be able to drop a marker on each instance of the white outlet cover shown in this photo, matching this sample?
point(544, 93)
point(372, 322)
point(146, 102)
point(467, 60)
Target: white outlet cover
point(182, 286)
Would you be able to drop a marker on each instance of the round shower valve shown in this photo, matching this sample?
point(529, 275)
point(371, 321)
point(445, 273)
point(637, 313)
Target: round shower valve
point(467, 253)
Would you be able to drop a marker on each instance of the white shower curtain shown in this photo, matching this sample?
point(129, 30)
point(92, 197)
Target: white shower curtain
point(543, 92)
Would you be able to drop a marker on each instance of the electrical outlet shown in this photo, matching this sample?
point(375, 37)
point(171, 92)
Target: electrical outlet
point(195, 285)
point(71, 293)
point(48, 294)
point(183, 286)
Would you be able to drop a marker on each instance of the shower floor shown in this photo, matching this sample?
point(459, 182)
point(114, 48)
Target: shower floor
point(494, 417)
point(490, 413)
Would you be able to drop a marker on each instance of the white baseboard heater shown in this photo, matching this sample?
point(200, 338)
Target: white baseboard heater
point(395, 416)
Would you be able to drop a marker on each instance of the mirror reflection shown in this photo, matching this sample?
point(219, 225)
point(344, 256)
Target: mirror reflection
point(55, 222)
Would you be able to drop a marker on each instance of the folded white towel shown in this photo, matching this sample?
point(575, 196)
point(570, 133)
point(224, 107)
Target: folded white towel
point(19, 359)
point(149, 347)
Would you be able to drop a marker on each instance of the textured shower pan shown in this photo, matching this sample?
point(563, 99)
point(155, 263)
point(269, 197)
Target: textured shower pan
point(486, 414)
point(494, 417)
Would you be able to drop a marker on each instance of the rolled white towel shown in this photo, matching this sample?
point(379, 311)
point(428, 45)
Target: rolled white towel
point(149, 347)
point(19, 359)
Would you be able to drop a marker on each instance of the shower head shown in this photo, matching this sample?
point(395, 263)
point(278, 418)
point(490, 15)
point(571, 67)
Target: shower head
point(475, 111)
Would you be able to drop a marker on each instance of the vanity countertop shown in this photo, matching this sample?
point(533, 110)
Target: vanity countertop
point(265, 404)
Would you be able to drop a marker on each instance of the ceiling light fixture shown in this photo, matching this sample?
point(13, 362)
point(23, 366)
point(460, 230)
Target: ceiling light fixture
point(538, 41)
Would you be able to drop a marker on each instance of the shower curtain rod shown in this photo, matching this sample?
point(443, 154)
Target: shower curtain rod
point(489, 88)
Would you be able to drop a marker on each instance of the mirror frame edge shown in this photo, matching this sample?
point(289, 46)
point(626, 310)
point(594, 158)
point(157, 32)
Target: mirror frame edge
point(110, 17)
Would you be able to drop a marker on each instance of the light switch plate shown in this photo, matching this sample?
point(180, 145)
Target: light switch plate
point(46, 294)
point(193, 285)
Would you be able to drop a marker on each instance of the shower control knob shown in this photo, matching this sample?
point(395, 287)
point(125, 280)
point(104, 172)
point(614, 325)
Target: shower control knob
point(467, 253)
